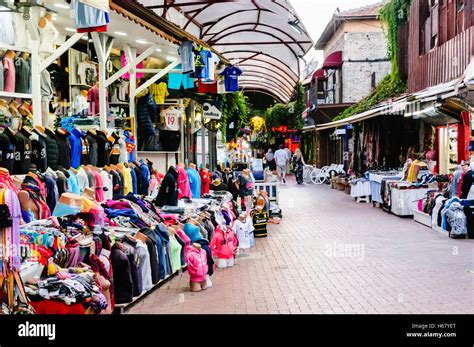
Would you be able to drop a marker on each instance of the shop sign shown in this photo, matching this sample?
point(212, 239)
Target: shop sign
point(340, 132)
point(211, 110)
point(346, 156)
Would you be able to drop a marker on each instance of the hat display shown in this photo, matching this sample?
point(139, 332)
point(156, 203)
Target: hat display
point(465, 162)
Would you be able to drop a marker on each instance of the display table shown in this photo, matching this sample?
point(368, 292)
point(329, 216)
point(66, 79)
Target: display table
point(376, 184)
point(360, 187)
point(402, 200)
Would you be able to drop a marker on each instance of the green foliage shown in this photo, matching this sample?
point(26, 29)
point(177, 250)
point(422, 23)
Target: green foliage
point(233, 105)
point(394, 14)
point(387, 88)
point(287, 115)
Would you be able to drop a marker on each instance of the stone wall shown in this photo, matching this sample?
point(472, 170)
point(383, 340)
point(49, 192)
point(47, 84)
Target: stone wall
point(357, 78)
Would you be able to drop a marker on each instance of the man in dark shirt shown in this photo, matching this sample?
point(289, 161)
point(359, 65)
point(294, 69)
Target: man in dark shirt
point(467, 179)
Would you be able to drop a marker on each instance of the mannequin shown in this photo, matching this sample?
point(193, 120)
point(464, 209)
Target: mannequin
point(197, 281)
point(25, 110)
point(40, 128)
point(194, 181)
point(168, 192)
point(48, 33)
point(27, 204)
point(205, 180)
point(16, 121)
point(68, 204)
point(9, 71)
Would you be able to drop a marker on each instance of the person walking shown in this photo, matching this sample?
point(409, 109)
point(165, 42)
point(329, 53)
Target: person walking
point(290, 155)
point(281, 160)
point(298, 165)
point(270, 158)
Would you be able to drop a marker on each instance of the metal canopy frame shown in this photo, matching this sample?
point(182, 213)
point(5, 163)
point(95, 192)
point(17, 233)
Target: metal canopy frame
point(257, 33)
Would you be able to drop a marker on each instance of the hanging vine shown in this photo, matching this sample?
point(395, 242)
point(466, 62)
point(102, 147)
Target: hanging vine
point(233, 106)
point(393, 14)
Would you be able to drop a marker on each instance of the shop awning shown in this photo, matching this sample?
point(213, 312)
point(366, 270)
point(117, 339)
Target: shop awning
point(265, 38)
point(319, 74)
point(354, 119)
point(333, 61)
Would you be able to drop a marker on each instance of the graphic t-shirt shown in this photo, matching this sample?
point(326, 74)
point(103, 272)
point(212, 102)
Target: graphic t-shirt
point(231, 78)
point(259, 220)
point(187, 56)
point(244, 231)
point(171, 119)
point(159, 92)
point(201, 62)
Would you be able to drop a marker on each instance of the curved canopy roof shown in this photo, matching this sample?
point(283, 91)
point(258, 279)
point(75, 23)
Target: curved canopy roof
point(264, 37)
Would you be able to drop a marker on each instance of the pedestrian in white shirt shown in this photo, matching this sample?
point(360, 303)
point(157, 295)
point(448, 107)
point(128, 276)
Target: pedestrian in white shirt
point(281, 159)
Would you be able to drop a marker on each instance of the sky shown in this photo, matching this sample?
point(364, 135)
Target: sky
point(316, 14)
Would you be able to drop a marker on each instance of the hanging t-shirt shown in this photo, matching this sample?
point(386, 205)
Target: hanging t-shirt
point(187, 56)
point(259, 220)
point(231, 75)
point(244, 231)
point(126, 75)
point(201, 62)
point(171, 118)
point(7, 32)
point(212, 62)
point(87, 16)
point(159, 92)
point(93, 99)
point(9, 75)
point(22, 78)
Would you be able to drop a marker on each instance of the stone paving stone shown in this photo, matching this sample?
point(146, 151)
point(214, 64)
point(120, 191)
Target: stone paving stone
point(331, 255)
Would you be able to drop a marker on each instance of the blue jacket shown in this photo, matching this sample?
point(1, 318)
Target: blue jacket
point(162, 233)
point(76, 147)
point(194, 182)
point(134, 181)
point(147, 112)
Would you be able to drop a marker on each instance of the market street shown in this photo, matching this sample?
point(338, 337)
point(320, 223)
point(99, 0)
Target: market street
point(332, 255)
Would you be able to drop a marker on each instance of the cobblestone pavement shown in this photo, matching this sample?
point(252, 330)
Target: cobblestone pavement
point(332, 255)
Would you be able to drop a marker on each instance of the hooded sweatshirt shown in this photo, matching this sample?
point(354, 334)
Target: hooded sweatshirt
point(183, 183)
point(168, 193)
point(196, 258)
point(224, 243)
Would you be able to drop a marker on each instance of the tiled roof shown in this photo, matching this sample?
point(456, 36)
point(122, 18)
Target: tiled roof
point(365, 11)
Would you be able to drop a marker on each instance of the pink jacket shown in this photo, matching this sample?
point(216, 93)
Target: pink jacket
point(187, 241)
point(183, 183)
point(196, 258)
point(224, 243)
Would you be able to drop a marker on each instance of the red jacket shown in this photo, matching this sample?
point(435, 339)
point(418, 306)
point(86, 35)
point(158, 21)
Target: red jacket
point(205, 181)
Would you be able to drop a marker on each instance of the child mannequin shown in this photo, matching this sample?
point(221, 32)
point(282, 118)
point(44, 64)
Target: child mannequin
point(196, 258)
point(243, 228)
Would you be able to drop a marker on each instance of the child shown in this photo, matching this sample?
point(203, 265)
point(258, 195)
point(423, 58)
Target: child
point(243, 228)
